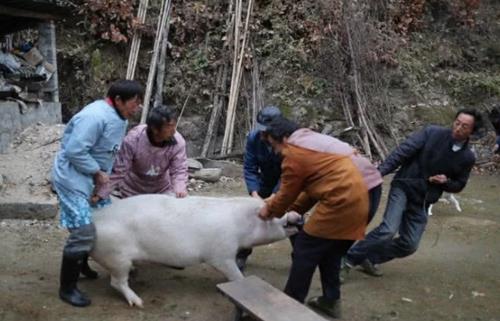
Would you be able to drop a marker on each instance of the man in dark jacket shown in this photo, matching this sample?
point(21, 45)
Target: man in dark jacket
point(431, 161)
point(262, 166)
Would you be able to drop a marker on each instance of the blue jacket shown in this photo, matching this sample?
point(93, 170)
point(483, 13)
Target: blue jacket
point(89, 144)
point(262, 167)
point(424, 154)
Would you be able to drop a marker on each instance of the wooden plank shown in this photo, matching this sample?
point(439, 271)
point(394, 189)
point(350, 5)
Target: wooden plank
point(265, 302)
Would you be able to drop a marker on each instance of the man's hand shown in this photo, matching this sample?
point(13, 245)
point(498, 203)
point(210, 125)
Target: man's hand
point(270, 197)
point(101, 178)
point(438, 179)
point(94, 199)
point(255, 194)
point(181, 194)
point(264, 213)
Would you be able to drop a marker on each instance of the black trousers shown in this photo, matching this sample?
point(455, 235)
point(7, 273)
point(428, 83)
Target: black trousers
point(310, 252)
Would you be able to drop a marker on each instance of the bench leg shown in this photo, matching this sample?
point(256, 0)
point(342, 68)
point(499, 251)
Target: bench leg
point(238, 313)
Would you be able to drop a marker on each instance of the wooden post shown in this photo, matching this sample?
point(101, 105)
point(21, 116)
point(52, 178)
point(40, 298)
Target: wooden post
point(47, 47)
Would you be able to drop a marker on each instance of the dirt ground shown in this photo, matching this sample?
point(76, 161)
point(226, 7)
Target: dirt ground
point(455, 275)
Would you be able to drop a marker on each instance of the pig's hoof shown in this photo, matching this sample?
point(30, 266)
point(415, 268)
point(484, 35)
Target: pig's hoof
point(135, 302)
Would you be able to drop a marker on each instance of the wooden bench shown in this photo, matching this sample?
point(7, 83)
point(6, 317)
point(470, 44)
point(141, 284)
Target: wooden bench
point(264, 302)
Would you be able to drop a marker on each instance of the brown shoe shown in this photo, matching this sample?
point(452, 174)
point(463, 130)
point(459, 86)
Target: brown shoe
point(329, 307)
point(370, 269)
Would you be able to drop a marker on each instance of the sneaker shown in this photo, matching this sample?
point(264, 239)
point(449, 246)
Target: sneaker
point(329, 307)
point(370, 268)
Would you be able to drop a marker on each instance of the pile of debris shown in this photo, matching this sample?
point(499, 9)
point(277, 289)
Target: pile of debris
point(23, 70)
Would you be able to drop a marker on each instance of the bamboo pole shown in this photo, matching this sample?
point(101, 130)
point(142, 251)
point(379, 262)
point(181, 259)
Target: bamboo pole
point(136, 41)
point(239, 73)
point(220, 87)
point(360, 102)
point(230, 105)
point(217, 106)
point(234, 92)
point(182, 110)
point(160, 74)
point(154, 59)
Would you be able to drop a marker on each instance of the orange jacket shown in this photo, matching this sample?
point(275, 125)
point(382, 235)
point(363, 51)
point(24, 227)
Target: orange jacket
point(330, 180)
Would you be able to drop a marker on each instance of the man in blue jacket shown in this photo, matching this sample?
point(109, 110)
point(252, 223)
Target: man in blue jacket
point(88, 148)
point(431, 161)
point(262, 166)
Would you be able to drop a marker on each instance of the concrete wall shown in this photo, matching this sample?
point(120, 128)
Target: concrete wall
point(13, 121)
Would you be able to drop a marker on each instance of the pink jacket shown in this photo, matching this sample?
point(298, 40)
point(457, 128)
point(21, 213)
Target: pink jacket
point(142, 168)
point(306, 138)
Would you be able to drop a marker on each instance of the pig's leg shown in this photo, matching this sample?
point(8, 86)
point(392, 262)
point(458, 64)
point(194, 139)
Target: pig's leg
point(228, 267)
point(119, 280)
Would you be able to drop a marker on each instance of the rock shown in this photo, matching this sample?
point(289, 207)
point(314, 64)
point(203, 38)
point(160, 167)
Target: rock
point(207, 174)
point(193, 164)
point(229, 169)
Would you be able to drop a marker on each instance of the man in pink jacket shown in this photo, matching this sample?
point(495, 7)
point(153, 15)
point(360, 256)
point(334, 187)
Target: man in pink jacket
point(151, 160)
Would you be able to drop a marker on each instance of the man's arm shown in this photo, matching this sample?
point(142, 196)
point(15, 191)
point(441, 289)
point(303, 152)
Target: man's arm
point(457, 184)
point(404, 152)
point(179, 168)
point(250, 164)
point(291, 186)
point(86, 132)
point(121, 167)
point(302, 204)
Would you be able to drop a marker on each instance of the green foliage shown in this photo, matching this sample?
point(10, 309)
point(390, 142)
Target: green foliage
point(473, 87)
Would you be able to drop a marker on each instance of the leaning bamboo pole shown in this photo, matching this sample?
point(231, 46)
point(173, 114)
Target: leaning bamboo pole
point(369, 132)
point(154, 59)
point(220, 87)
point(160, 73)
point(230, 106)
point(136, 41)
point(239, 55)
point(239, 73)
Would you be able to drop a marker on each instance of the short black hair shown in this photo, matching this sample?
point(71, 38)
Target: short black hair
point(160, 115)
point(478, 118)
point(280, 127)
point(125, 89)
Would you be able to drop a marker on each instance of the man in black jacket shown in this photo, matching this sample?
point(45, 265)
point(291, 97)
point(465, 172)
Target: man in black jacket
point(431, 161)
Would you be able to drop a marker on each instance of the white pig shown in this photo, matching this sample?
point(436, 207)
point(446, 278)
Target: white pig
point(181, 232)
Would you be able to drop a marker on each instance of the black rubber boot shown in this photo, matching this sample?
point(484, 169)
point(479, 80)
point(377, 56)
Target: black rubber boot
point(86, 270)
point(68, 292)
point(331, 308)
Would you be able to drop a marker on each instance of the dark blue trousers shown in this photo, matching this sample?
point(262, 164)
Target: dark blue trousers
point(397, 236)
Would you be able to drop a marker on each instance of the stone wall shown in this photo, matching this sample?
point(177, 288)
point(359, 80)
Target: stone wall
point(14, 118)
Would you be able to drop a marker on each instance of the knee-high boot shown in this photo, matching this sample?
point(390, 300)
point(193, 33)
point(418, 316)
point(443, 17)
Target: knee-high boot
point(87, 270)
point(68, 291)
